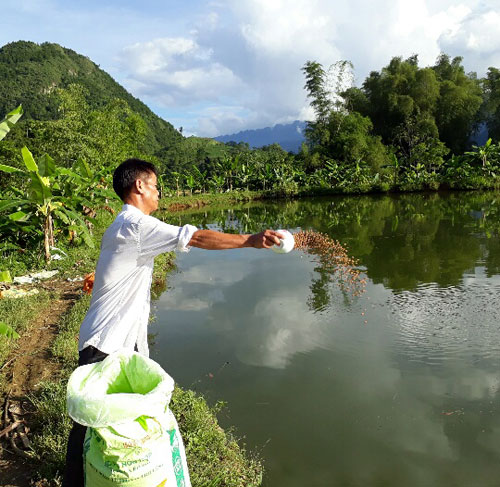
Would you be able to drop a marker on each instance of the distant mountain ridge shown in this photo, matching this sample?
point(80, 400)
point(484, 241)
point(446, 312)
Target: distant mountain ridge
point(30, 73)
point(289, 136)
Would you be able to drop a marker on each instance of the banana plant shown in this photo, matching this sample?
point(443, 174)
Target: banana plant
point(395, 166)
point(199, 178)
point(190, 182)
point(482, 152)
point(266, 175)
point(51, 195)
point(177, 176)
point(245, 173)
point(229, 167)
point(216, 182)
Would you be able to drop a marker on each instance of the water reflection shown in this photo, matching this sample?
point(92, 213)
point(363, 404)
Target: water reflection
point(397, 387)
point(265, 313)
point(419, 238)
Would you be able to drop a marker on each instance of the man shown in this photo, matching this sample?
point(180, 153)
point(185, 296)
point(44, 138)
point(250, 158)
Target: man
point(119, 310)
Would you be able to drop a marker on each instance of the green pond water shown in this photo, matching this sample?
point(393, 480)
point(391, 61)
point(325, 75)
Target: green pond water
point(397, 387)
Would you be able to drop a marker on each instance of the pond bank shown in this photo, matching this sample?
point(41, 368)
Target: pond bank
point(34, 370)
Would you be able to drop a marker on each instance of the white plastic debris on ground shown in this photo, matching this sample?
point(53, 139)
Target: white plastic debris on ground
point(57, 254)
point(16, 293)
point(34, 277)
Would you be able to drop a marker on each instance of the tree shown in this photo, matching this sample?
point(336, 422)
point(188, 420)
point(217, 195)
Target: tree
point(442, 101)
point(457, 108)
point(325, 89)
point(338, 133)
point(491, 88)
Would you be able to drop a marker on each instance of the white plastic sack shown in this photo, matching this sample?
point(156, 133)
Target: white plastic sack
point(133, 438)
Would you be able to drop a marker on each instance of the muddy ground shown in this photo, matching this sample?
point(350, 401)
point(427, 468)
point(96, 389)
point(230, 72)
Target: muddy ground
point(30, 363)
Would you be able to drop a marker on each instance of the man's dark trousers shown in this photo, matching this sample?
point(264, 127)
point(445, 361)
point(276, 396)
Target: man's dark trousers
point(73, 472)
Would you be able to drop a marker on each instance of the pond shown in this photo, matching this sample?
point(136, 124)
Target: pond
point(399, 386)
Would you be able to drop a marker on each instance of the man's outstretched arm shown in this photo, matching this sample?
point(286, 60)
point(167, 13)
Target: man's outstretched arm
point(212, 240)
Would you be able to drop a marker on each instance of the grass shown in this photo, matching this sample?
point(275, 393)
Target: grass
point(19, 313)
point(214, 456)
point(51, 426)
point(65, 346)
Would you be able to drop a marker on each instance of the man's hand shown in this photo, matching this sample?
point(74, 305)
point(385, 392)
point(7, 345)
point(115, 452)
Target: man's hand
point(264, 240)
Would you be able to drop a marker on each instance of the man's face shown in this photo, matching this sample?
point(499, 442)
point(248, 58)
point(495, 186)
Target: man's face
point(151, 194)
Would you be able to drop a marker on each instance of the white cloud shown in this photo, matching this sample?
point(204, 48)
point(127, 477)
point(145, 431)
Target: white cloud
point(477, 39)
point(216, 120)
point(283, 329)
point(293, 29)
point(147, 57)
point(177, 71)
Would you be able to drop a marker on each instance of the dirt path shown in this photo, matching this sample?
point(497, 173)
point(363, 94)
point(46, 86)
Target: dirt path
point(30, 364)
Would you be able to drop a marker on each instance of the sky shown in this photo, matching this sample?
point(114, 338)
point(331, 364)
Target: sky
point(221, 66)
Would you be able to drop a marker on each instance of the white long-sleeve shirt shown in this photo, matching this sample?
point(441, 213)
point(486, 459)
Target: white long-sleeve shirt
point(119, 309)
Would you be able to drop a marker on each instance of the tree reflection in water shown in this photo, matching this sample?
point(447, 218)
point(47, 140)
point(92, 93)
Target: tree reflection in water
point(400, 241)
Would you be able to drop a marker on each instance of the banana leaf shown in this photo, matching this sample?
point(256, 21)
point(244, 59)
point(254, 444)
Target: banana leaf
point(5, 276)
point(10, 119)
point(4, 204)
point(7, 330)
point(40, 191)
point(68, 172)
point(62, 216)
point(83, 168)
point(46, 166)
point(10, 169)
point(19, 216)
point(29, 162)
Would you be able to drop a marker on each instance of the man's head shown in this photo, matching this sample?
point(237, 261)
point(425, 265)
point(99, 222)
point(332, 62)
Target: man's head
point(134, 181)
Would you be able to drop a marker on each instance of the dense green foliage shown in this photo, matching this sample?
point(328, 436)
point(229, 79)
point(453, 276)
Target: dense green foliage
point(410, 127)
point(440, 102)
point(31, 74)
point(51, 199)
point(491, 108)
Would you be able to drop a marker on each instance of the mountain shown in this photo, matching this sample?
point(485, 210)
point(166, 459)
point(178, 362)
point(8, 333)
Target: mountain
point(289, 136)
point(30, 73)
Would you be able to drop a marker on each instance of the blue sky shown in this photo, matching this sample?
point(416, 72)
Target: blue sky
point(217, 67)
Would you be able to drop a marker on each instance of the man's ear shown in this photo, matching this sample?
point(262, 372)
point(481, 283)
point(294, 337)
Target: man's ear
point(139, 185)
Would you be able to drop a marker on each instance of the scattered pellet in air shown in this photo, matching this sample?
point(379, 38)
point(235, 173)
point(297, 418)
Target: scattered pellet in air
point(333, 257)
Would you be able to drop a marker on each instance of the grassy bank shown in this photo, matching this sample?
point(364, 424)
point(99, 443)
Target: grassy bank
point(214, 456)
point(199, 200)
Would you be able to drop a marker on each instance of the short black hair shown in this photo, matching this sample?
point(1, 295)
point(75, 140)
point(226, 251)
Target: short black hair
point(128, 172)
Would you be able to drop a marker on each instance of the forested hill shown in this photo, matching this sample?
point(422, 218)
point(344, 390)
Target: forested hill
point(31, 73)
